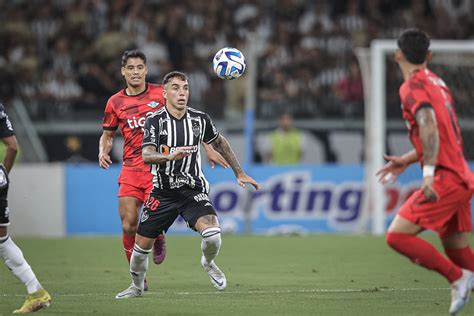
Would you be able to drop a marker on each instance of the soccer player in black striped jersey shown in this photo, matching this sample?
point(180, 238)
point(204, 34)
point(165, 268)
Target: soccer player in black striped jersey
point(171, 145)
point(37, 297)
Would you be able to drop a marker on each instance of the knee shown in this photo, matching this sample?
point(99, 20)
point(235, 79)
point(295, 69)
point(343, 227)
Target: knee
point(129, 228)
point(392, 239)
point(212, 236)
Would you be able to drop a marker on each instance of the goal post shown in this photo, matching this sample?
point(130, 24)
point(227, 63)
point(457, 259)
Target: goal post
point(375, 116)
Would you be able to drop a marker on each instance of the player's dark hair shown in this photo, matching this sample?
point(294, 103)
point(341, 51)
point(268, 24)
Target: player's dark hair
point(414, 44)
point(174, 74)
point(134, 53)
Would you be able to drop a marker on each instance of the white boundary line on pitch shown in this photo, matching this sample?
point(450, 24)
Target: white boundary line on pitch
point(367, 290)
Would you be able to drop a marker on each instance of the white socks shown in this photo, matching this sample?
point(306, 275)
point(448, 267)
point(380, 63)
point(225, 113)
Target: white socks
point(211, 243)
point(15, 261)
point(139, 266)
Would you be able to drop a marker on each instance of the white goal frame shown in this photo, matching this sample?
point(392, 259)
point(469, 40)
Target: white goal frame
point(375, 116)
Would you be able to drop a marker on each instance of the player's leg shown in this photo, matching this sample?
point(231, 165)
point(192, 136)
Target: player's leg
point(155, 220)
point(129, 208)
point(414, 215)
point(458, 249)
point(401, 236)
point(456, 238)
point(208, 227)
point(37, 297)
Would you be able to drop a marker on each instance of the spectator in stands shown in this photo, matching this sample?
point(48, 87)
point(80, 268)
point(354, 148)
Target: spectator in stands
point(286, 142)
point(350, 93)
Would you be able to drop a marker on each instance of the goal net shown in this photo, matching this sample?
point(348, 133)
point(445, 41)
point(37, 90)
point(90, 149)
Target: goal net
point(385, 130)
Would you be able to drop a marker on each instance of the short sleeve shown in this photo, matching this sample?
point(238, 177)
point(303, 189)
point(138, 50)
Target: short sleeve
point(110, 119)
point(6, 127)
point(416, 95)
point(150, 132)
point(210, 132)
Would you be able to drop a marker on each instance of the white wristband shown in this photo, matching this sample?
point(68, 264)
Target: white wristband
point(428, 171)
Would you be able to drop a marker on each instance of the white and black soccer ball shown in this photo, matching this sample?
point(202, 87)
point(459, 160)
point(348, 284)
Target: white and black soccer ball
point(229, 63)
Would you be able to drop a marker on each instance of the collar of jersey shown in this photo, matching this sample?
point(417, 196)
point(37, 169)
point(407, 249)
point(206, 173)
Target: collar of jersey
point(136, 95)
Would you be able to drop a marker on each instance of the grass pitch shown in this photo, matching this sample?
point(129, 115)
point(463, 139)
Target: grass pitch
point(283, 275)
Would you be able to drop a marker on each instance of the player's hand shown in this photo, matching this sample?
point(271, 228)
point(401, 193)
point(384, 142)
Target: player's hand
point(104, 160)
point(393, 168)
point(214, 157)
point(243, 179)
point(180, 153)
point(428, 190)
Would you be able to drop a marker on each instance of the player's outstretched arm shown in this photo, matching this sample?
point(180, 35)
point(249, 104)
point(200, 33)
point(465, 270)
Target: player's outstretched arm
point(426, 119)
point(214, 157)
point(151, 156)
point(11, 145)
point(105, 146)
point(221, 145)
point(395, 166)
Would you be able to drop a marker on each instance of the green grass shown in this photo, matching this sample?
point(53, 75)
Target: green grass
point(309, 275)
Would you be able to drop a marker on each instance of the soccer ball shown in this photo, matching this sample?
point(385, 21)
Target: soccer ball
point(229, 63)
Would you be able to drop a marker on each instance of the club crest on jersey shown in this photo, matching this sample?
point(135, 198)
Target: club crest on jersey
point(153, 104)
point(196, 129)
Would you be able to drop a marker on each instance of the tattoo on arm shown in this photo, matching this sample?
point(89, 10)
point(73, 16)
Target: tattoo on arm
point(221, 145)
point(150, 155)
point(426, 119)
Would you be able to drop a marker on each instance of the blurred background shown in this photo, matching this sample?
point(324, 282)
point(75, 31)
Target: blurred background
point(60, 62)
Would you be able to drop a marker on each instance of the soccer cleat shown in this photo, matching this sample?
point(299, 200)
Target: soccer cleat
point(131, 291)
point(461, 291)
point(34, 302)
point(159, 249)
point(215, 274)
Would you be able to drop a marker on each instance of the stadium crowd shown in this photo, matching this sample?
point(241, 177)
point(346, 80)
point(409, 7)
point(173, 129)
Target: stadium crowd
point(61, 56)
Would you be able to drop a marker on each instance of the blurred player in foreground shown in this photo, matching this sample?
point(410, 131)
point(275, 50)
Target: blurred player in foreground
point(127, 110)
point(37, 297)
point(443, 203)
point(171, 144)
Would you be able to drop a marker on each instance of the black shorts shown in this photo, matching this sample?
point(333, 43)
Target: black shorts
point(163, 207)
point(4, 184)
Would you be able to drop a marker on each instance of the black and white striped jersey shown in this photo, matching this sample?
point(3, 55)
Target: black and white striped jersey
point(166, 133)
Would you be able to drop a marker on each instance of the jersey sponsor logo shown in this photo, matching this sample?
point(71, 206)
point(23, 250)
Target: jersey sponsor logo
point(164, 132)
point(201, 197)
point(139, 122)
point(7, 212)
point(153, 104)
point(164, 149)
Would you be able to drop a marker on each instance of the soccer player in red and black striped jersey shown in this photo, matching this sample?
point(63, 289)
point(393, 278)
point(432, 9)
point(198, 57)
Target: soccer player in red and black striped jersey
point(127, 110)
point(443, 203)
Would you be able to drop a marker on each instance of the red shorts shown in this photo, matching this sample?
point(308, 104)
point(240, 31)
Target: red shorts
point(137, 184)
point(451, 213)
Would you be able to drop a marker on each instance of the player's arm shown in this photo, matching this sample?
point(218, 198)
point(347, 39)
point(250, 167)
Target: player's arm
point(151, 156)
point(428, 129)
point(221, 145)
point(214, 157)
point(105, 147)
point(11, 151)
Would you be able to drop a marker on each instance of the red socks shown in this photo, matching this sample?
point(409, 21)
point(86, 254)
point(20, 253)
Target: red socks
point(462, 257)
point(128, 243)
point(423, 253)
